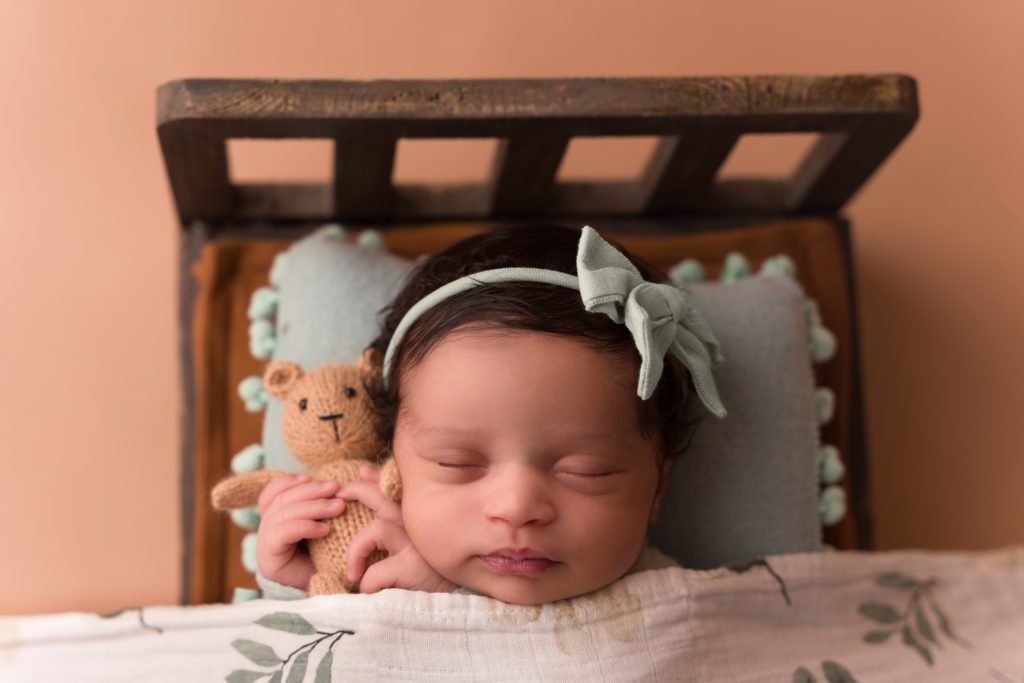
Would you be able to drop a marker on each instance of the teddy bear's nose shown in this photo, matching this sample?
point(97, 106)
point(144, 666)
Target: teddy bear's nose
point(334, 423)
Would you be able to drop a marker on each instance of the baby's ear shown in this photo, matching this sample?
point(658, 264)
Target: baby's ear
point(390, 482)
point(280, 377)
point(370, 363)
point(664, 474)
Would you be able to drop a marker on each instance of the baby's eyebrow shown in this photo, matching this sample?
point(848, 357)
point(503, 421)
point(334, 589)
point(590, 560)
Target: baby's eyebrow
point(585, 434)
point(557, 432)
point(442, 430)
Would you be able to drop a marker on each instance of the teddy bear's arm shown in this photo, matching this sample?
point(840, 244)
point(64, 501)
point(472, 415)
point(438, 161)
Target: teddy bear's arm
point(242, 490)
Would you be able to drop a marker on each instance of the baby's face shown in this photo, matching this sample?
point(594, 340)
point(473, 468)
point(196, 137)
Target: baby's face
point(524, 475)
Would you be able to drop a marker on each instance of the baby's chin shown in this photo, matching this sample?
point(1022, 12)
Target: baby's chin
point(518, 598)
point(523, 593)
point(559, 582)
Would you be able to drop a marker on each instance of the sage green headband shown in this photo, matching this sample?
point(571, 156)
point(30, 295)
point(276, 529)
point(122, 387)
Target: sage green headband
point(661, 317)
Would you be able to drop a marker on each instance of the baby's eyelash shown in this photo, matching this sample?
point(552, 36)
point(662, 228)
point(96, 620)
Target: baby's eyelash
point(469, 466)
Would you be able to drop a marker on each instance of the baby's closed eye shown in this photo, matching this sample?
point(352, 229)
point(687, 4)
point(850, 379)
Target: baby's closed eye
point(585, 473)
point(460, 465)
point(456, 459)
point(583, 468)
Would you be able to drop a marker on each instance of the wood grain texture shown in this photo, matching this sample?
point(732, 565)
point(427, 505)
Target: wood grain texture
point(298, 108)
point(699, 120)
point(523, 173)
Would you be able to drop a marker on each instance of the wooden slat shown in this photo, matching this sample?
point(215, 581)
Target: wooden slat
point(211, 320)
point(840, 163)
point(414, 202)
point(441, 201)
point(605, 199)
point(273, 108)
point(523, 173)
point(284, 202)
point(363, 162)
point(197, 166)
point(745, 195)
point(682, 168)
point(601, 198)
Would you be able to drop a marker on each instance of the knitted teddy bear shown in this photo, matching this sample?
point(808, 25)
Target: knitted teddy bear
point(329, 427)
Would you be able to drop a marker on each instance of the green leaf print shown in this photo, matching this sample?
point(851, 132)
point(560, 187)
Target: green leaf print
point(914, 622)
point(298, 670)
point(837, 673)
point(288, 622)
point(944, 624)
point(242, 676)
point(924, 627)
point(802, 675)
point(910, 639)
point(877, 636)
point(323, 671)
point(880, 612)
point(257, 653)
point(293, 667)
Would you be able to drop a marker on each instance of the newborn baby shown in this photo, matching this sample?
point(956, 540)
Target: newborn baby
point(533, 430)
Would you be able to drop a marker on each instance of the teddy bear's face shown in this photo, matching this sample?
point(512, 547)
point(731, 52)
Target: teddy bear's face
point(327, 414)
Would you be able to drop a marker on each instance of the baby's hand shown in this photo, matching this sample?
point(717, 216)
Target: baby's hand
point(404, 567)
point(291, 510)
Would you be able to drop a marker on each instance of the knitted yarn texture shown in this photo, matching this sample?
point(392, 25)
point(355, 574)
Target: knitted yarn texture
point(329, 426)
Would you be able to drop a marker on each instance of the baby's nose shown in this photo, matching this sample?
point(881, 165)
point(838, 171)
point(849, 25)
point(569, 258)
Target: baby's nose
point(519, 498)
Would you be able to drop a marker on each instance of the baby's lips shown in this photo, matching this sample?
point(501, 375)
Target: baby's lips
point(520, 554)
point(524, 565)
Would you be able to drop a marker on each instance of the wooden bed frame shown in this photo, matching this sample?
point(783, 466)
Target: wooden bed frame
point(860, 119)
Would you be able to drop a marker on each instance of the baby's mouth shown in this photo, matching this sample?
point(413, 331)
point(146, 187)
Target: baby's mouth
point(517, 562)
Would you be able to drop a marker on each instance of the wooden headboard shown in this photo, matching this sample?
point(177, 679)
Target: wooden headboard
point(860, 119)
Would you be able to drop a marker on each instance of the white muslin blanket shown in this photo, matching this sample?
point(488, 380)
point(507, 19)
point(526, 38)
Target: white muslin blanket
point(837, 616)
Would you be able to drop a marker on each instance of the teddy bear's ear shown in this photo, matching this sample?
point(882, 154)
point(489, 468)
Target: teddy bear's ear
point(280, 376)
point(370, 362)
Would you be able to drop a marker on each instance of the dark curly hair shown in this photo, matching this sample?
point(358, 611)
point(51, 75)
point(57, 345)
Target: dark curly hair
point(673, 412)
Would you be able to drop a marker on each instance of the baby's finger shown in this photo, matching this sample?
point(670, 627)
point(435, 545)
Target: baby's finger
point(369, 473)
point(285, 534)
point(310, 490)
point(367, 493)
point(276, 487)
point(317, 508)
point(381, 575)
point(377, 535)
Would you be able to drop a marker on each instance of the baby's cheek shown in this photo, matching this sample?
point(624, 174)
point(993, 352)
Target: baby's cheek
point(437, 546)
point(611, 533)
point(426, 524)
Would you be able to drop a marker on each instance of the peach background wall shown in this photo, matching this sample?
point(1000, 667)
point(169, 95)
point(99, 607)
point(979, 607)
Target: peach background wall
point(91, 401)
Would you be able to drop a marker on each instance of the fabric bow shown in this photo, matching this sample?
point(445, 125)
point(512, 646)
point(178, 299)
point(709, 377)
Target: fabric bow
point(661, 317)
